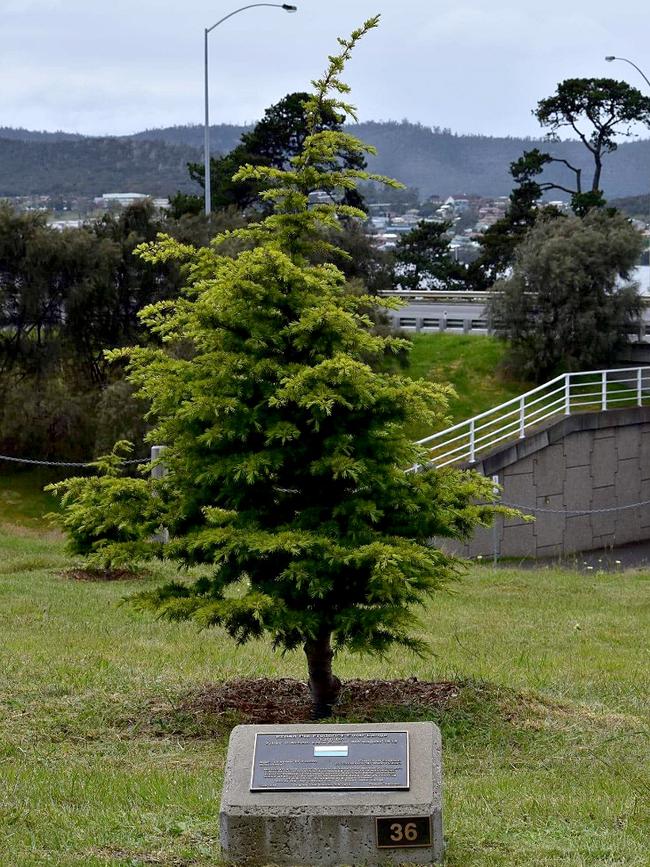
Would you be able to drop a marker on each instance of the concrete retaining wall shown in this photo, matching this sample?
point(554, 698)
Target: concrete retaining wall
point(591, 461)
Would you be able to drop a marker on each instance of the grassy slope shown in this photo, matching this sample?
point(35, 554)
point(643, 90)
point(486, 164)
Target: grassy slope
point(99, 769)
point(471, 365)
point(22, 500)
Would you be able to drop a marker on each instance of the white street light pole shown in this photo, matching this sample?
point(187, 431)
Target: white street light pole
point(206, 132)
point(611, 57)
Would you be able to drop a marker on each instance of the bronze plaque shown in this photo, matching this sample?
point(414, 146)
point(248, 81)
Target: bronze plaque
point(398, 832)
point(310, 761)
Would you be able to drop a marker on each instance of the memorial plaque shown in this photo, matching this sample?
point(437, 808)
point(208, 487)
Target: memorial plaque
point(371, 810)
point(349, 760)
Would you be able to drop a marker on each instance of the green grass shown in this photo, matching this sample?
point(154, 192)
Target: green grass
point(471, 364)
point(545, 750)
point(23, 503)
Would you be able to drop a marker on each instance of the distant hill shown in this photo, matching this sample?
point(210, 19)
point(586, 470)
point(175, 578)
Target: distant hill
point(439, 161)
point(92, 166)
point(634, 206)
point(154, 161)
point(448, 164)
point(35, 135)
point(223, 137)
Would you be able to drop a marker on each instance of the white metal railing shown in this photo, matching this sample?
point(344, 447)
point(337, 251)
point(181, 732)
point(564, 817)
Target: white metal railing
point(514, 419)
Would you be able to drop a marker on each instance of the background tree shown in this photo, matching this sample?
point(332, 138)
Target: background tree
point(274, 140)
point(565, 307)
point(597, 110)
point(360, 260)
point(499, 242)
point(65, 297)
point(286, 449)
point(423, 258)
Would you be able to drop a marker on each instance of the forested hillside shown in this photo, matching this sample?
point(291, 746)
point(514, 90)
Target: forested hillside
point(92, 166)
point(634, 206)
point(439, 161)
point(223, 137)
point(20, 134)
point(449, 164)
point(154, 161)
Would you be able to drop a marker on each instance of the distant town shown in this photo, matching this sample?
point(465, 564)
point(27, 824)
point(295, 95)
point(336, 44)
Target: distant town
point(470, 216)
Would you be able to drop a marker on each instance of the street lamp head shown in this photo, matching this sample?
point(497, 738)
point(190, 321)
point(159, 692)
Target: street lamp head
point(611, 57)
point(288, 8)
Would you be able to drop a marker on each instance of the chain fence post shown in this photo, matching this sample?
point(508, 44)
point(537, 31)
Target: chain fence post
point(495, 529)
point(159, 471)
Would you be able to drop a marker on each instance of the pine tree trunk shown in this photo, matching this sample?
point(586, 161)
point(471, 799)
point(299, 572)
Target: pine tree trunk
point(595, 186)
point(323, 684)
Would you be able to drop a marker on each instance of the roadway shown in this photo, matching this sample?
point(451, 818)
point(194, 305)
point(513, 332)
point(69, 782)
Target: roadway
point(433, 313)
point(451, 316)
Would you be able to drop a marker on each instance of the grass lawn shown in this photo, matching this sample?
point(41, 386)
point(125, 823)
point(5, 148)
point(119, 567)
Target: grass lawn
point(545, 749)
point(471, 364)
point(22, 499)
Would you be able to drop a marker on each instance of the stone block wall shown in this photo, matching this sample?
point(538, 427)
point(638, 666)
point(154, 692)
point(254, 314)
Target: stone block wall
point(588, 461)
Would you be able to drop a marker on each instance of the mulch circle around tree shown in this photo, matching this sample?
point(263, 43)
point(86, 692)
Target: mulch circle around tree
point(285, 700)
point(105, 574)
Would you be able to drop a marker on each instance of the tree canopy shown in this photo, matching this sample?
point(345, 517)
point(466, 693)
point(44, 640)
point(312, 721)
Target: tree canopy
point(286, 437)
point(500, 241)
point(423, 258)
point(597, 110)
point(566, 305)
point(65, 297)
point(273, 142)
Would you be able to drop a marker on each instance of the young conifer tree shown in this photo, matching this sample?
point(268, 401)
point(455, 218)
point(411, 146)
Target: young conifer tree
point(286, 439)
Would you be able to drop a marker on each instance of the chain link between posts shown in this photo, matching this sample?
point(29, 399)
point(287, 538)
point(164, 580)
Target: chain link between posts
point(519, 506)
point(86, 464)
point(536, 509)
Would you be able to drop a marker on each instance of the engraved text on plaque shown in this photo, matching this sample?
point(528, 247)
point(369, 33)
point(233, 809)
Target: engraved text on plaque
point(330, 760)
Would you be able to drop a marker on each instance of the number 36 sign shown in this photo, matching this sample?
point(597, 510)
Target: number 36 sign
point(393, 833)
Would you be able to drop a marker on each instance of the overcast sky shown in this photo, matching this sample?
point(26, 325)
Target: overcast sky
point(118, 66)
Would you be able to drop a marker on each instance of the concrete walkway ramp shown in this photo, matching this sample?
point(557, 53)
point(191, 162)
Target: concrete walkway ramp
point(574, 453)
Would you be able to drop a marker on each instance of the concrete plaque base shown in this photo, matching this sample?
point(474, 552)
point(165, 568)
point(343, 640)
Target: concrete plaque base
point(333, 828)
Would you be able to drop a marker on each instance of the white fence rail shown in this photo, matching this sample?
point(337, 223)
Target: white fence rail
point(565, 395)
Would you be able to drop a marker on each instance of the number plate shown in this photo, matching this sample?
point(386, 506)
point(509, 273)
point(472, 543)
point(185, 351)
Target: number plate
point(396, 832)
